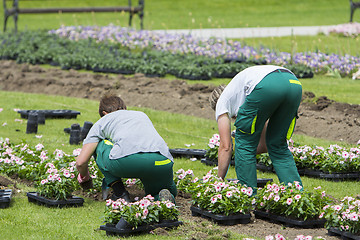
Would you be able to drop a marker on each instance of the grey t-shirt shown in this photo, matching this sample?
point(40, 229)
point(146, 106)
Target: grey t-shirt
point(130, 131)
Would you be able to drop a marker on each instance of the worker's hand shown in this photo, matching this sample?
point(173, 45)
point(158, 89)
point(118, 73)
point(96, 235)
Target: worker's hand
point(86, 182)
point(85, 178)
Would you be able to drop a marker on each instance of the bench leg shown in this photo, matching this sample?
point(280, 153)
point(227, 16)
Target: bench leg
point(352, 13)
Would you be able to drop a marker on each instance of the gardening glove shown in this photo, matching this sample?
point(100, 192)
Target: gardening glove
point(85, 182)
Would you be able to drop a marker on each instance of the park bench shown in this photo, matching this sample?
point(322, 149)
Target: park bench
point(353, 6)
point(15, 10)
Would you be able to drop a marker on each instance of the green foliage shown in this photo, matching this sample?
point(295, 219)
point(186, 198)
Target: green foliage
point(291, 200)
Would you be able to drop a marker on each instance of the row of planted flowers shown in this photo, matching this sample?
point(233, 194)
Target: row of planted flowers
point(39, 47)
point(299, 206)
point(333, 159)
point(214, 47)
point(55, 175)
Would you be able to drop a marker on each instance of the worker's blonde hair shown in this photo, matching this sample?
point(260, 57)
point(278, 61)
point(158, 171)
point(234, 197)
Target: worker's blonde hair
point(214, 96)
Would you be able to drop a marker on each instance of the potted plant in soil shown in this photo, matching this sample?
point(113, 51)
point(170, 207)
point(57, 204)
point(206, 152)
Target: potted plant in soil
point(343, 218)
point(122, 217)
point(56, 188)
point(226, 203)
point(291, 204)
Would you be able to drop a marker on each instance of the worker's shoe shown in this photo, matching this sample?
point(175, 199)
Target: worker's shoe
point(165, 195)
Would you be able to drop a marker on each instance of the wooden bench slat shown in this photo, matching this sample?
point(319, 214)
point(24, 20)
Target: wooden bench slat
point(15, 10)
point(74, 10)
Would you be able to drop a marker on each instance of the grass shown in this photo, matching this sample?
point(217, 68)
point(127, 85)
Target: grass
point(167, 14)
point(330, 44)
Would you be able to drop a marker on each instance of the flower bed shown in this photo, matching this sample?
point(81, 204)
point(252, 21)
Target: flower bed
point(52, 173)
point(291, 204)
point(213, 48)
point(332, 163)
point(343, 218)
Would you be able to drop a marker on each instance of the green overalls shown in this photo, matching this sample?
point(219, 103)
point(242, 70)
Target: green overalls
point(153, 169)
point(276, 98)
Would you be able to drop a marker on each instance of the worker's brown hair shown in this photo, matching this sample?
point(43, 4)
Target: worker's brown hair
point(110, 103)
point(214, 96)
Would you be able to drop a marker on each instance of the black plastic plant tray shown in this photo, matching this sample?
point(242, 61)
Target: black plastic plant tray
point(343, 234)
point(72, 202)
point(316, 223)
point(221, 219)
point(214, 162)
point(187, 152)
point(208, 162)
point(331, 176)
point(261, 182)
point(5, 198)
point(262, 167)
point(51, 113)
point(112, 230)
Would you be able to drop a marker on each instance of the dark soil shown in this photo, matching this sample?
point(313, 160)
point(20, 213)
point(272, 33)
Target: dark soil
point(318, 117)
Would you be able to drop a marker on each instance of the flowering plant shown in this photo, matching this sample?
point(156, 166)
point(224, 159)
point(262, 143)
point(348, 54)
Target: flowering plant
point(332, 159)
point(291, 200)
point(213, 194)
point(185, 180)
point(344, 216)
point(144, 211)
point(58, 184)
point(213, 147)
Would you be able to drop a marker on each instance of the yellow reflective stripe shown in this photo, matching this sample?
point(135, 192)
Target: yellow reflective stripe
point(163, 162)
point(107, 142)
point(253, 125)
point(295, 81)
point(291, 129)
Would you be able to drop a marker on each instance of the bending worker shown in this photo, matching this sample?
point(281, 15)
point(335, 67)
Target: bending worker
point(127, 146)
point(263, 100)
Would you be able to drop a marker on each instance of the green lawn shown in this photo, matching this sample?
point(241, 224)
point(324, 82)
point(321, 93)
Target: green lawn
point(169, 14)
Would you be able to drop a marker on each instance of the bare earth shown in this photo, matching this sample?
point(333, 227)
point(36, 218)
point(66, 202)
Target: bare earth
point(325, 119)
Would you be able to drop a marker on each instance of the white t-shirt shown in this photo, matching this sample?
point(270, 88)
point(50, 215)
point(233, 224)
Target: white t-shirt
point(240, 87)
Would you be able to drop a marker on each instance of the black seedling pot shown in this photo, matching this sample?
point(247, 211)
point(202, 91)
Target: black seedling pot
point(75, 134)
point(32, 123)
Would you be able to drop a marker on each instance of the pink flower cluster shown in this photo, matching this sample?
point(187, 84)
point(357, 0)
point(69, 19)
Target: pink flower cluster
point(214, 141)
point(344, 216)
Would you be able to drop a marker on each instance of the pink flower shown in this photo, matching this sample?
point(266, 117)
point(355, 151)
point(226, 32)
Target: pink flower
point(108, 202)
point(181, 176)
point(213, 199)
point(229, 194)
point(44, 181)
point(169, 204)
point(249, 191)
point(276, 198)
point(321, 215)
point(279, 237)
point(297, 196)
point(289, 201)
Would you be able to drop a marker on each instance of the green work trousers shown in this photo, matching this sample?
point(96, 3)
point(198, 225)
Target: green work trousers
point(276, 98)
point(153, 169)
